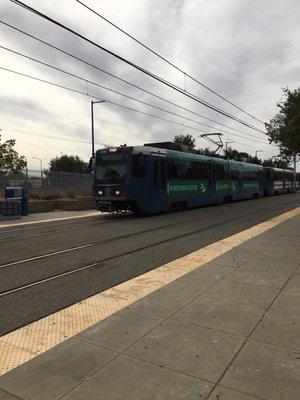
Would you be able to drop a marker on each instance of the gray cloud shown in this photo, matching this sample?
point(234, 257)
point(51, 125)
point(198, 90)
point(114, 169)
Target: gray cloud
point(246, 53)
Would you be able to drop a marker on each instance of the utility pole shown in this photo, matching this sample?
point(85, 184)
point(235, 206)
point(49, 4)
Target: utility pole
point(257, 151)
point(41, 166)
point(92, 120)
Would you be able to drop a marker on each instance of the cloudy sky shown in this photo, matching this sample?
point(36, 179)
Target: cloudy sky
point(246, 50)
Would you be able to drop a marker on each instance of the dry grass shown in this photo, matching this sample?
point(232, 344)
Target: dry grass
point(36, 194)
point(58, 193)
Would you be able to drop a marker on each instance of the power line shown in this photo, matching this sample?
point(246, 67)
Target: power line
point(166, 60)
point(139, 68)
point(111, 90)
point(107, 101)
point(123, 80)
point(173, 122)
point(30, 133)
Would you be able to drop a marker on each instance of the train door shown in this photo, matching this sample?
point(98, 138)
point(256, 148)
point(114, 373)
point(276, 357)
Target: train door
point(159, 183)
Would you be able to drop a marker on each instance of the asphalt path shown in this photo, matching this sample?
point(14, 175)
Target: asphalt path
point(47, 267)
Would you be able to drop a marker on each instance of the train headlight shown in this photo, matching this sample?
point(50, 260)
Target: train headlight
point(100, 192)
point(118, 192)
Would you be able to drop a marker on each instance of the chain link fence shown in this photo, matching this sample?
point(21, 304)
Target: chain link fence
point(49, 184)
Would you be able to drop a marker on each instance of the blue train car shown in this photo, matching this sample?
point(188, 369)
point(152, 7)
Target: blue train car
point(278, 181)
point(153, 179)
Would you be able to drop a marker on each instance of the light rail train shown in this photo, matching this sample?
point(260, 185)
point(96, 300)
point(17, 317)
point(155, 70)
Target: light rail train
point(161, 177)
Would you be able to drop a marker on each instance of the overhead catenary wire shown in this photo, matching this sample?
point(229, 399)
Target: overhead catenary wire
point(166, 60)
point(48, 136)
point(121, 79)
point(98, 98)
point(116, 92)
point(32, 133)
point(134, 65)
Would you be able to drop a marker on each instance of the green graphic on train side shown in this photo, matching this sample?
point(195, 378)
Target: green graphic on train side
point(222, 186)
point(250, 185)
point(184, 188)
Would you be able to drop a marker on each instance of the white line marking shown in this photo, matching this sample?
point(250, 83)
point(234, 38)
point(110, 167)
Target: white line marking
point(84, 246)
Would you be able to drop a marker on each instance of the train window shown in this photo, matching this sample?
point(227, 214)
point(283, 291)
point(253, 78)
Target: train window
point(155, 173)
point(184, 169)
point(187, 170)
point(235, 173)
point(277, 176)
point(138, 165)
point(199, 170)
point(163, 177)
point(178, 169)
point(220, 171)
point(250, 174)
point(172, 169)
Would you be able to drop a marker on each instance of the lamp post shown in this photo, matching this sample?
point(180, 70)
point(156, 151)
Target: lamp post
point(41, 165)
point(92, 118)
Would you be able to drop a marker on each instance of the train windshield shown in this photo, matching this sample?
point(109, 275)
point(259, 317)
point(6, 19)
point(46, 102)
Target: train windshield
point(111, 168)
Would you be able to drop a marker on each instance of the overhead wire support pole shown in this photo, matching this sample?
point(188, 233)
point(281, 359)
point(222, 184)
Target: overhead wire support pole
point(166, 60)
point(92, 123)
point(149, 73)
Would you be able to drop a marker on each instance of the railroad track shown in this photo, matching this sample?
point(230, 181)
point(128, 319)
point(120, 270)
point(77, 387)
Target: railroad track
point(99, 262)
point(85, 246)
point(62, 229)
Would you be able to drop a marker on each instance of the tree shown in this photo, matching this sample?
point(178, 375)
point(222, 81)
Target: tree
point(188, 140)
point(284, 128)
point(236, 155)
point(67, 163)
point(254, 160)
point(10, 160)
point(206, 152)
point(278, 163)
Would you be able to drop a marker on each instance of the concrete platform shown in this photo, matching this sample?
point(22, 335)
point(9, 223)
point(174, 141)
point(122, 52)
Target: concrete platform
point(45, 217)
point(229, 330)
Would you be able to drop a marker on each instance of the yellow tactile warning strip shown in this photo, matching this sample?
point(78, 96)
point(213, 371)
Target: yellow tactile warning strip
point(26, 343)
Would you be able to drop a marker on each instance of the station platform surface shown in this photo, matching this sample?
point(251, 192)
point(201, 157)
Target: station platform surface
point(45, 217)
point(227, 330)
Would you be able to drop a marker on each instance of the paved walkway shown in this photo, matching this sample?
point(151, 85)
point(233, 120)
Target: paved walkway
point(229, 330)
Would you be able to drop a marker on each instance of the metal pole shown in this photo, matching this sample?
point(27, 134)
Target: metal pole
point(41, 162)
point(295, 172)
point(93, 135)
point(92, 120)
point(228, 177)
point(41, 166)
